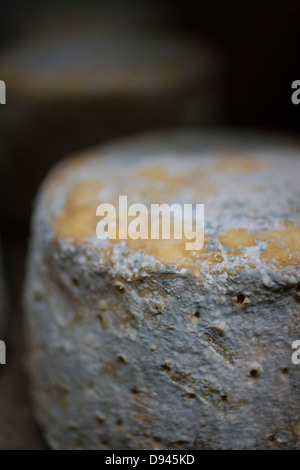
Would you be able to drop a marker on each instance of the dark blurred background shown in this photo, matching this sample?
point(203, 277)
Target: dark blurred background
point(255, 58)
point(260, 40)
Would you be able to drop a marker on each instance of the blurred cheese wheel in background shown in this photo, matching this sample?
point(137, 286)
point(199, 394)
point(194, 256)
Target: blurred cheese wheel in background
point(141, 344)
point(33, 19)
point(79, 82)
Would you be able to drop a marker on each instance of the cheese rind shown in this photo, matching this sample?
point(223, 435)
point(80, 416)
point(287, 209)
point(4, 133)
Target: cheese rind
point(145, 345)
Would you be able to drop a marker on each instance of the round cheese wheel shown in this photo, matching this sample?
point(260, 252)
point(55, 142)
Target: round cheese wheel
point(144, 344)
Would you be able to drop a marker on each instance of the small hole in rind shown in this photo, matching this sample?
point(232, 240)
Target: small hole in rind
point(197, 314)
point(254, 373)
point(75, 281)
point(297, 293)
point(122, 359)
point(165, 367)
point(285, 371)
point(240, 298)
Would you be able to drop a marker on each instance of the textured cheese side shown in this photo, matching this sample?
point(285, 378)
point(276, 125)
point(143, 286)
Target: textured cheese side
point(142, 344)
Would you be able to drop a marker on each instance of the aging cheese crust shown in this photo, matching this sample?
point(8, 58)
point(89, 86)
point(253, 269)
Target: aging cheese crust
point(142, 344)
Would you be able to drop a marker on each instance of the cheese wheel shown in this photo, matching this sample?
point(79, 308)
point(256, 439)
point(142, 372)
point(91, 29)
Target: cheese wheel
point(76, 83)
point(143, 344)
